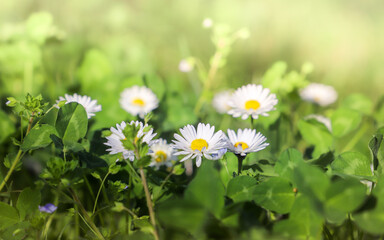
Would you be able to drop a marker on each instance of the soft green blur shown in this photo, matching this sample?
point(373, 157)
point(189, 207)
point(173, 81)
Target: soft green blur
point(343, 39)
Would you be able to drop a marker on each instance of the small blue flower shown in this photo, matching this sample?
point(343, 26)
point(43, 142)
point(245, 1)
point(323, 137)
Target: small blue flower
point(48, 208)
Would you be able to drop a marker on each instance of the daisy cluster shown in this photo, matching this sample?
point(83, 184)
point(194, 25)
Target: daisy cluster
point(201, 142)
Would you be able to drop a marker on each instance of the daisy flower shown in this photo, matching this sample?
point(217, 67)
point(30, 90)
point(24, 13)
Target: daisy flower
point(186, 65)
point(321, 94)
point(251, 100)
point(324, 120)
point(90, 105)
point(161, 153)
point(138, 100)
point(117, 136)
point(196, 144)
point(220, 101)
point(207, 23)
point(245, 141)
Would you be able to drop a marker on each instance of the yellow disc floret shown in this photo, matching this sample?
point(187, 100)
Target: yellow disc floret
point(242, 144)
point(160, 156)
point(252, 104)
point(138, 102)
point(199, 144)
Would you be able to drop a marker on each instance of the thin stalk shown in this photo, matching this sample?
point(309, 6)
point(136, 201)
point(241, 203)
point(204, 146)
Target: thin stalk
point(327, 232)
point(240, 160)
point(98, 193)
point(209, 81)
point(86, 216)
point(129, 203)
point(350, 227)
point(9, 173)
point(149, 203)
point(18, 156)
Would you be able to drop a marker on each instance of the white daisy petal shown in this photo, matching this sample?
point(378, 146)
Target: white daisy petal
point(220, 101)
point(162, 154)
point(114, 141)
point(320, 94)
point(138, 101)
point(90, 106)
point(201, 142)
point(251, 100)
point(246, 141)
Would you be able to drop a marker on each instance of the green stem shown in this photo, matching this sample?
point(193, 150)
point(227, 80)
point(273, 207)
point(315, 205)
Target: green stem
point(350, 226)
point(209, 81)
point(240, 160)
point(327, 232)
point(98, 193)
point(86, 216)
point(14, 164)
point(149, 203)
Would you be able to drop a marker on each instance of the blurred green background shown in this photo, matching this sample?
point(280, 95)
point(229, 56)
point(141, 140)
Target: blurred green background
point(78, 46)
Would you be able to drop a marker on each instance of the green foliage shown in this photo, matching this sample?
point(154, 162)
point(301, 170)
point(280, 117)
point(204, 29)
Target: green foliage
point(38, 137)
point(316, 134)
point(206, 189)
point(72, 122)
point(275, 194)
point(344, 121)
point(311, 182)
point(371, 220)
point(342, 197)
point(241, 188)
point(6, 126)
point(8, 215)
point(28, 202)
point(352, 163)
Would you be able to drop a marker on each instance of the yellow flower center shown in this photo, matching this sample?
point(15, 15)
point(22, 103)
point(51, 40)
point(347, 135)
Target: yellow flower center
point(138, 102)
point(252, 104)
point(242, 144)
point(199, 144)
point(160, 156)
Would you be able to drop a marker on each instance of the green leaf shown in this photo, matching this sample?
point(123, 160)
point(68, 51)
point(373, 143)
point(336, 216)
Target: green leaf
point(240, 188)
point(181, 214)
point(228, 167)
point(317, 134)
point(287, 162)
point(8, 215)
point(276, 194)
point(142, 162)
point(372, 220)
point(6, 126)
point(51, 117)
point(28, 202)
point(93, 72)
point(38, 137)
point(207, 189)
point(304, 221)
point(273, 77)
point(342, 197)
point(311, 181)
point(344, 121)
point(374, 146)
point(352, 163)
point(72, 122)
point(358, 102)
point(143, 224)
